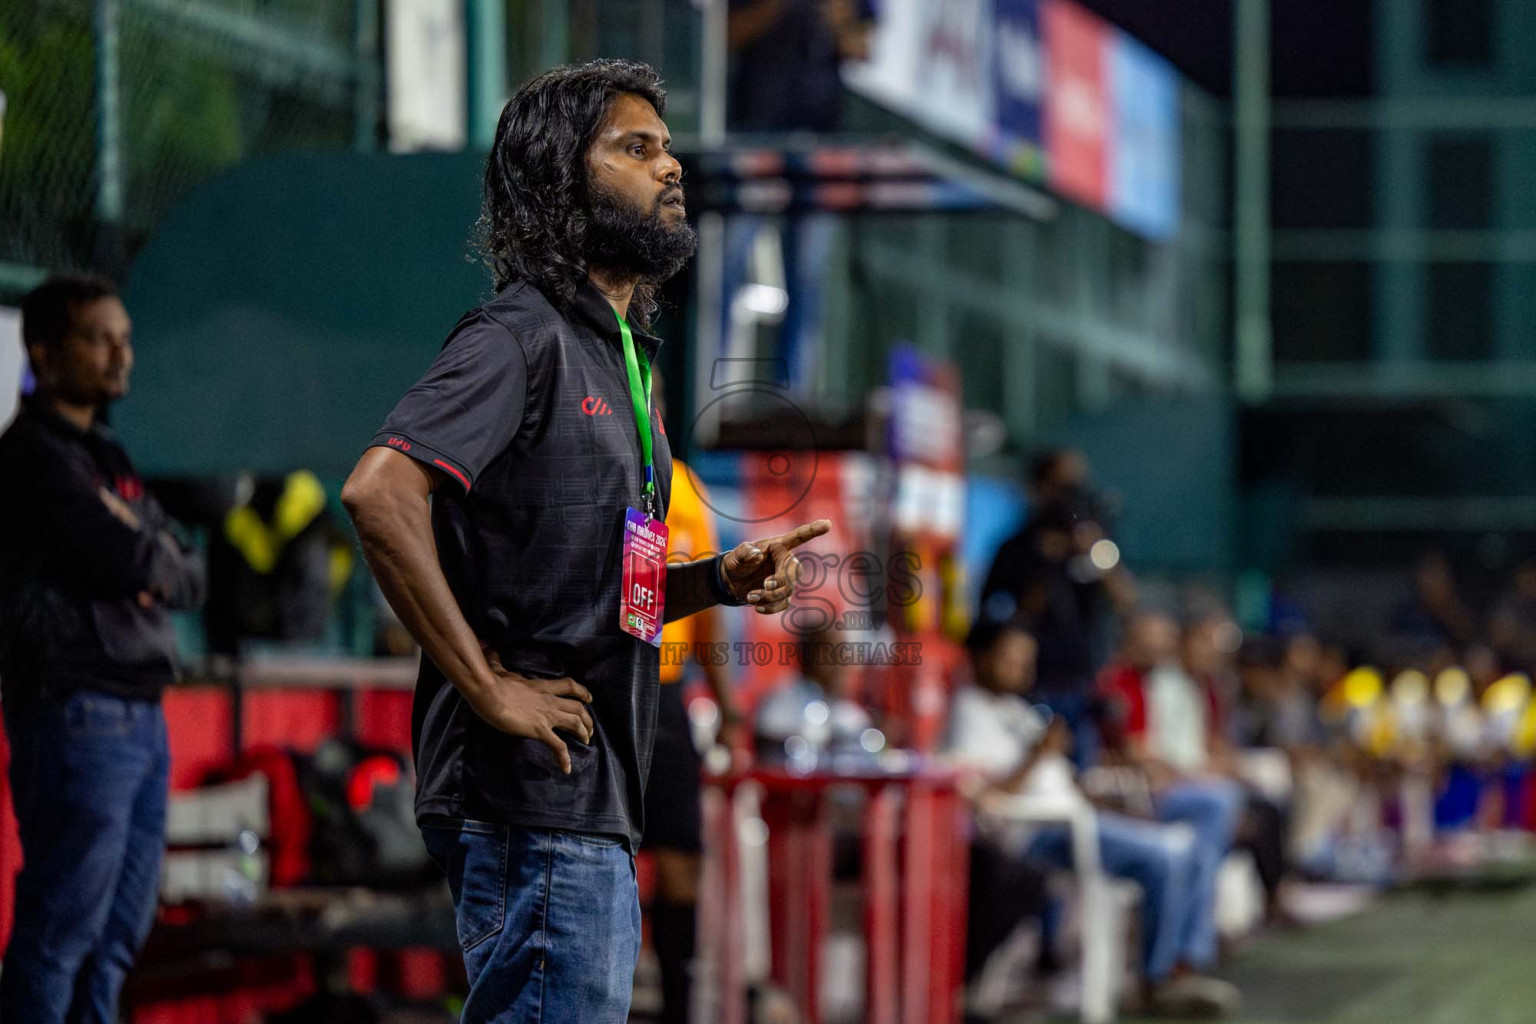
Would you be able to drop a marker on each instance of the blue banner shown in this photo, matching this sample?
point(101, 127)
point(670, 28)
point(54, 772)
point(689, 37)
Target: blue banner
point(1018, 77)
point(1045, 88)
point(1144, 139)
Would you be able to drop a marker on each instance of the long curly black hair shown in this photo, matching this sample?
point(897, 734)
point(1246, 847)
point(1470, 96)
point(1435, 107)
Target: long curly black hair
point(535, 211)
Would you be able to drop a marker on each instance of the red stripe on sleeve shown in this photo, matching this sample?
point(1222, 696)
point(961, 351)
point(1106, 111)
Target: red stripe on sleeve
point(457, 475)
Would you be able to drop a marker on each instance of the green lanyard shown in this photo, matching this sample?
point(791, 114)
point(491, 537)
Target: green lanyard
point(640, 397)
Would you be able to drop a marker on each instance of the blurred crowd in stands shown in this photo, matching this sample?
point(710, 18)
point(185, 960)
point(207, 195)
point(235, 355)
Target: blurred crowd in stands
point(1188, 745)
point(1191, 740)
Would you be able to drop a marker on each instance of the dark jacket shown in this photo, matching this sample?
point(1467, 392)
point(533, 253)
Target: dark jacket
point(72, 573)
point(1065, 614)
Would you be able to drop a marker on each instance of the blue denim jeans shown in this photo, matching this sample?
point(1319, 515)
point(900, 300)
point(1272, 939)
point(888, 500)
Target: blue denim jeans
point(1160, 861)
point(89, 779)
point(1213, 808)
point(549, 922)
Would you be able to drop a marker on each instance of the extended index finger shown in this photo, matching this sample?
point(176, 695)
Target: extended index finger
point(800, 534)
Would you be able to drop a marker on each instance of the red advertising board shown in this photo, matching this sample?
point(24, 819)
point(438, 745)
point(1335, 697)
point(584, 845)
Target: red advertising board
point(782, 490)
point(1077, 108)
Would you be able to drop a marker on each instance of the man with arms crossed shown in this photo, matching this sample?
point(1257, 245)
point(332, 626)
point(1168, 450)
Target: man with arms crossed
point(89, 571)
point(499, 508)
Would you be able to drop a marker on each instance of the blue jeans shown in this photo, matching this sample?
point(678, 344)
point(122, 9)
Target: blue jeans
point(89, 777)
point(1159, 860)
point(1213, 808)
point(549, 922)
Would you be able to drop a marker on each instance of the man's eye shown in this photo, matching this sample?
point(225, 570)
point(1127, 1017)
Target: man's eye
point(638, 149)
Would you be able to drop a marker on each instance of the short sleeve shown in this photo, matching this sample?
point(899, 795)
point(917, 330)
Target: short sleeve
point(465, 410)
point(976, 741)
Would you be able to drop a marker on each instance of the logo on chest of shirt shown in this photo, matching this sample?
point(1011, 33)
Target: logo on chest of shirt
point(129, 488)
point(594, 406)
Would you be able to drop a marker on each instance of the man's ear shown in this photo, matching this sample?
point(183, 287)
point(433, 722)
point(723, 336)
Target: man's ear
point(38, 356)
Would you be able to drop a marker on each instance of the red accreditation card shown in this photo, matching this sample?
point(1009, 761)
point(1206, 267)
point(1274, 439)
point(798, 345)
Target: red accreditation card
point(645, 576)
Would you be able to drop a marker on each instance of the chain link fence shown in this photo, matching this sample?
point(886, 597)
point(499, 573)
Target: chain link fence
point(115, 109)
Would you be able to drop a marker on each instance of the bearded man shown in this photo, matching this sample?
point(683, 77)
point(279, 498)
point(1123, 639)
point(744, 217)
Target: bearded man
point(512, 509)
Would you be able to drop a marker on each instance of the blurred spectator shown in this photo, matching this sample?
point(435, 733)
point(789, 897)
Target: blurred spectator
point(1484, 668)
point(1512, 627)
point(89, 571)
point(1333, 830)
point(784, 61)
point(1205, 653)
point(1020, 749)
point(1292, 720)
point(1433, 615)
point(1258, 671)
point(818, 711)
point(1281, 683)
point(1057, 475)
point(1154, 702)
point(1062, 572)
point(1333, 664)
point(1159, 705)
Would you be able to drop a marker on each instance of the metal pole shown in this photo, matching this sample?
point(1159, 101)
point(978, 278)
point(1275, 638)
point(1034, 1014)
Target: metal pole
point(1251, 251)
point(485, 23)
point(712, 74)
point(109, 133)
point(365, 54)
point(708, 322)
point(708, 328)
point(555, 45)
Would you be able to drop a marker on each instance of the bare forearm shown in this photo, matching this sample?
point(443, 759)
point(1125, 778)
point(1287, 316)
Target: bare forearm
point(689, 588)
point(396, 534)
point(1011, 782)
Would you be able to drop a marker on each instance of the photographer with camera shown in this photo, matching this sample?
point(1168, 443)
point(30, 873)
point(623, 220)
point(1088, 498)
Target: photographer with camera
point(1064, 572)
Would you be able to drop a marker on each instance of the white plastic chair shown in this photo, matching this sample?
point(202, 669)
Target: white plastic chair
point(1105, 901)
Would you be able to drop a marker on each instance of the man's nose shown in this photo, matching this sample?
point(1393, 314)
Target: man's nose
point(671, 170)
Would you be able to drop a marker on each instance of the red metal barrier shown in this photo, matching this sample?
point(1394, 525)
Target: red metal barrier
point(915, 877)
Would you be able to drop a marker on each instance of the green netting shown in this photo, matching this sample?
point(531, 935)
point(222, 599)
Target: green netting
point(199, 85)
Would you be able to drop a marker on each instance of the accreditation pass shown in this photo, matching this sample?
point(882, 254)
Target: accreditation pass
point(645, 576)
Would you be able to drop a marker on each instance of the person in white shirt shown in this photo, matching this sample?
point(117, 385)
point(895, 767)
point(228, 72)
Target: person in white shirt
point(1014, 750)
point(1159, 717)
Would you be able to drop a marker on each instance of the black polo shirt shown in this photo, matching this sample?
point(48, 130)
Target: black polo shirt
point(71, 572)
point(527, 411)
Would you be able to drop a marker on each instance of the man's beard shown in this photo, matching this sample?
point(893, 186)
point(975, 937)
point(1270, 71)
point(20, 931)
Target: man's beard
point(624, 238)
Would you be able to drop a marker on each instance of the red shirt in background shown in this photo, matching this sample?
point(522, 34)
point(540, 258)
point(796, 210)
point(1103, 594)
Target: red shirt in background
point(1124, 689)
